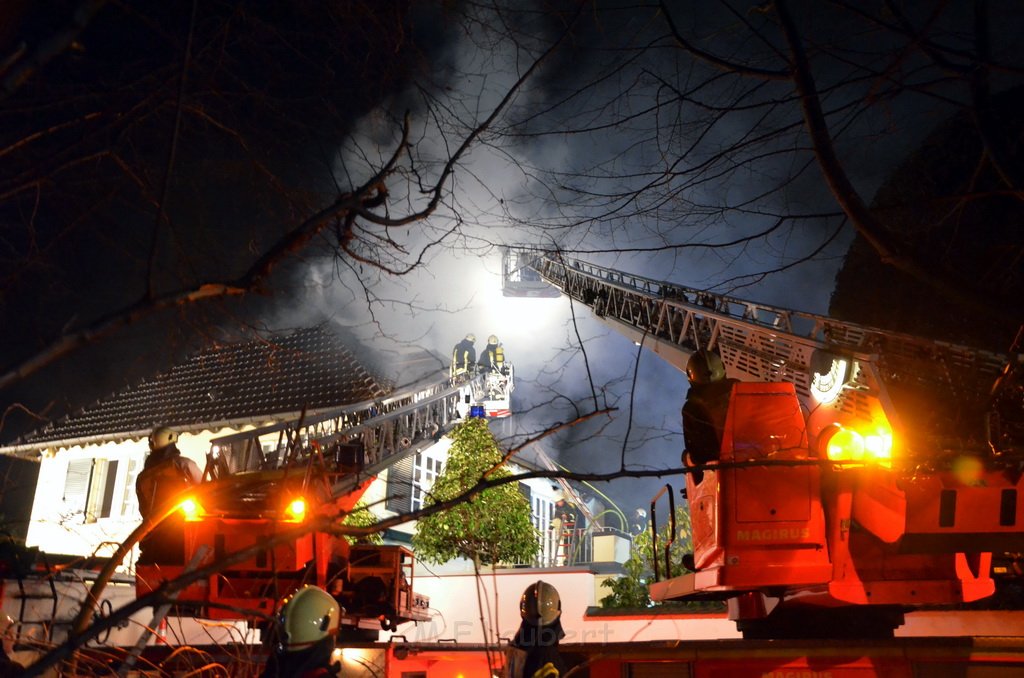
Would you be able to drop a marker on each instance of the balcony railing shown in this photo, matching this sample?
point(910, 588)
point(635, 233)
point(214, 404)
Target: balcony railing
point(582, 546)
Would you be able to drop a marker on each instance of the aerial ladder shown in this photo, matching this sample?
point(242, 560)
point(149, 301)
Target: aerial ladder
point(266, 481)
point(862, 472)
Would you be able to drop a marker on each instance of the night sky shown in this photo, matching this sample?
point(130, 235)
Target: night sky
point(146, 150)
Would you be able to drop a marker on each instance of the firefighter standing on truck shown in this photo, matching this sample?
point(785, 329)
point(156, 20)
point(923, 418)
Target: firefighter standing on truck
point(165, 474)
point(707, 403)
point(464, 356)
point(705, 411)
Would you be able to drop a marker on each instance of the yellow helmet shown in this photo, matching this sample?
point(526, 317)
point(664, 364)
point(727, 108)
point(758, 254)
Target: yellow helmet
point(308, 616)
point(540, 604)
point(471, 337)
point(493, 339)
point(161, 437)
point(704, 367)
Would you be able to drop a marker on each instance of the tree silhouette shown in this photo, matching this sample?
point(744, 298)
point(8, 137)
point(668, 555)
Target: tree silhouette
point(178, 163)
point(756, 135)
point(175, 164)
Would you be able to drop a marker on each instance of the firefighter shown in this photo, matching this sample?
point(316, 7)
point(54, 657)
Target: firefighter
point(541, 610)
point(464, 356)
point(164, 475)
point(493, 357)
point(563, 529)
point(707, 403)
point(307, 624)
point(638, 524)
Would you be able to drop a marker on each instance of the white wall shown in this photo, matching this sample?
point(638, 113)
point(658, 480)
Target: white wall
point(453, 601)
point(56, 526)
point(456, 615)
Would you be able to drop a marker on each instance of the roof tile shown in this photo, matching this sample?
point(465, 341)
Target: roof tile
point(309, 368)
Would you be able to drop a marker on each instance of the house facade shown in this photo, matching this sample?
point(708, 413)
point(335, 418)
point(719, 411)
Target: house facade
point(84, 501)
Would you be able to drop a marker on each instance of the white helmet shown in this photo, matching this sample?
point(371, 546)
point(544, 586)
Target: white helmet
point(540, 604)
point(308, 616)
point(493, 339)
point(470, 337)
point(161, 437)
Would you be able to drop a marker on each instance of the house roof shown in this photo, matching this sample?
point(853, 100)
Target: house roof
point(228, 384)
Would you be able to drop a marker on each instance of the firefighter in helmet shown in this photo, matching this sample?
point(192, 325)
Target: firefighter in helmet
point(564, 519)
point(493, 357)
point(707, 403)
point(165, 474)
point(541, 610)
point(464, 356)
point(306, 626)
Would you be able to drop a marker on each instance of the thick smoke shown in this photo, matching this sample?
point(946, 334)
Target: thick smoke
point(656, 194)
point(458, 288)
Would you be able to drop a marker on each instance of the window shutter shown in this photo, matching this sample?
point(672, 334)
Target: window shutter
point(76, 485)
point(399, 492)
point(108, 489)
point(129, 502)
point(525, 490)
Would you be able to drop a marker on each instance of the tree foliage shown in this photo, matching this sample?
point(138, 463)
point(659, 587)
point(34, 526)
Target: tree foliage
point(491, 528)
point(630, 590)
point(361, 516)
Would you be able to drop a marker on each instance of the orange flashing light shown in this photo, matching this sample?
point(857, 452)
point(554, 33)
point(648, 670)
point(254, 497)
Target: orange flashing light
point(296, 510)
point(191, 508)
point(843, 444)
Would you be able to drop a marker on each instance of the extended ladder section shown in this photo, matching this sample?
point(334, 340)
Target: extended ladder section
point(364, 438)
point(932, 394)
point(269, 480)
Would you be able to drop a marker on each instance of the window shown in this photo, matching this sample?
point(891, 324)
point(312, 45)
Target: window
point(90, 488)
point(410, 480)
point(130, 500)
point(76, 485)
point(106, 489)
point(425, 471)
point(543, 508)
point(399, 491)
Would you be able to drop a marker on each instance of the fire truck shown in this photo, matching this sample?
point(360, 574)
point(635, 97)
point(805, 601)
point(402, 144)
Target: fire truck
point(862, 472)
point(269, 492)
